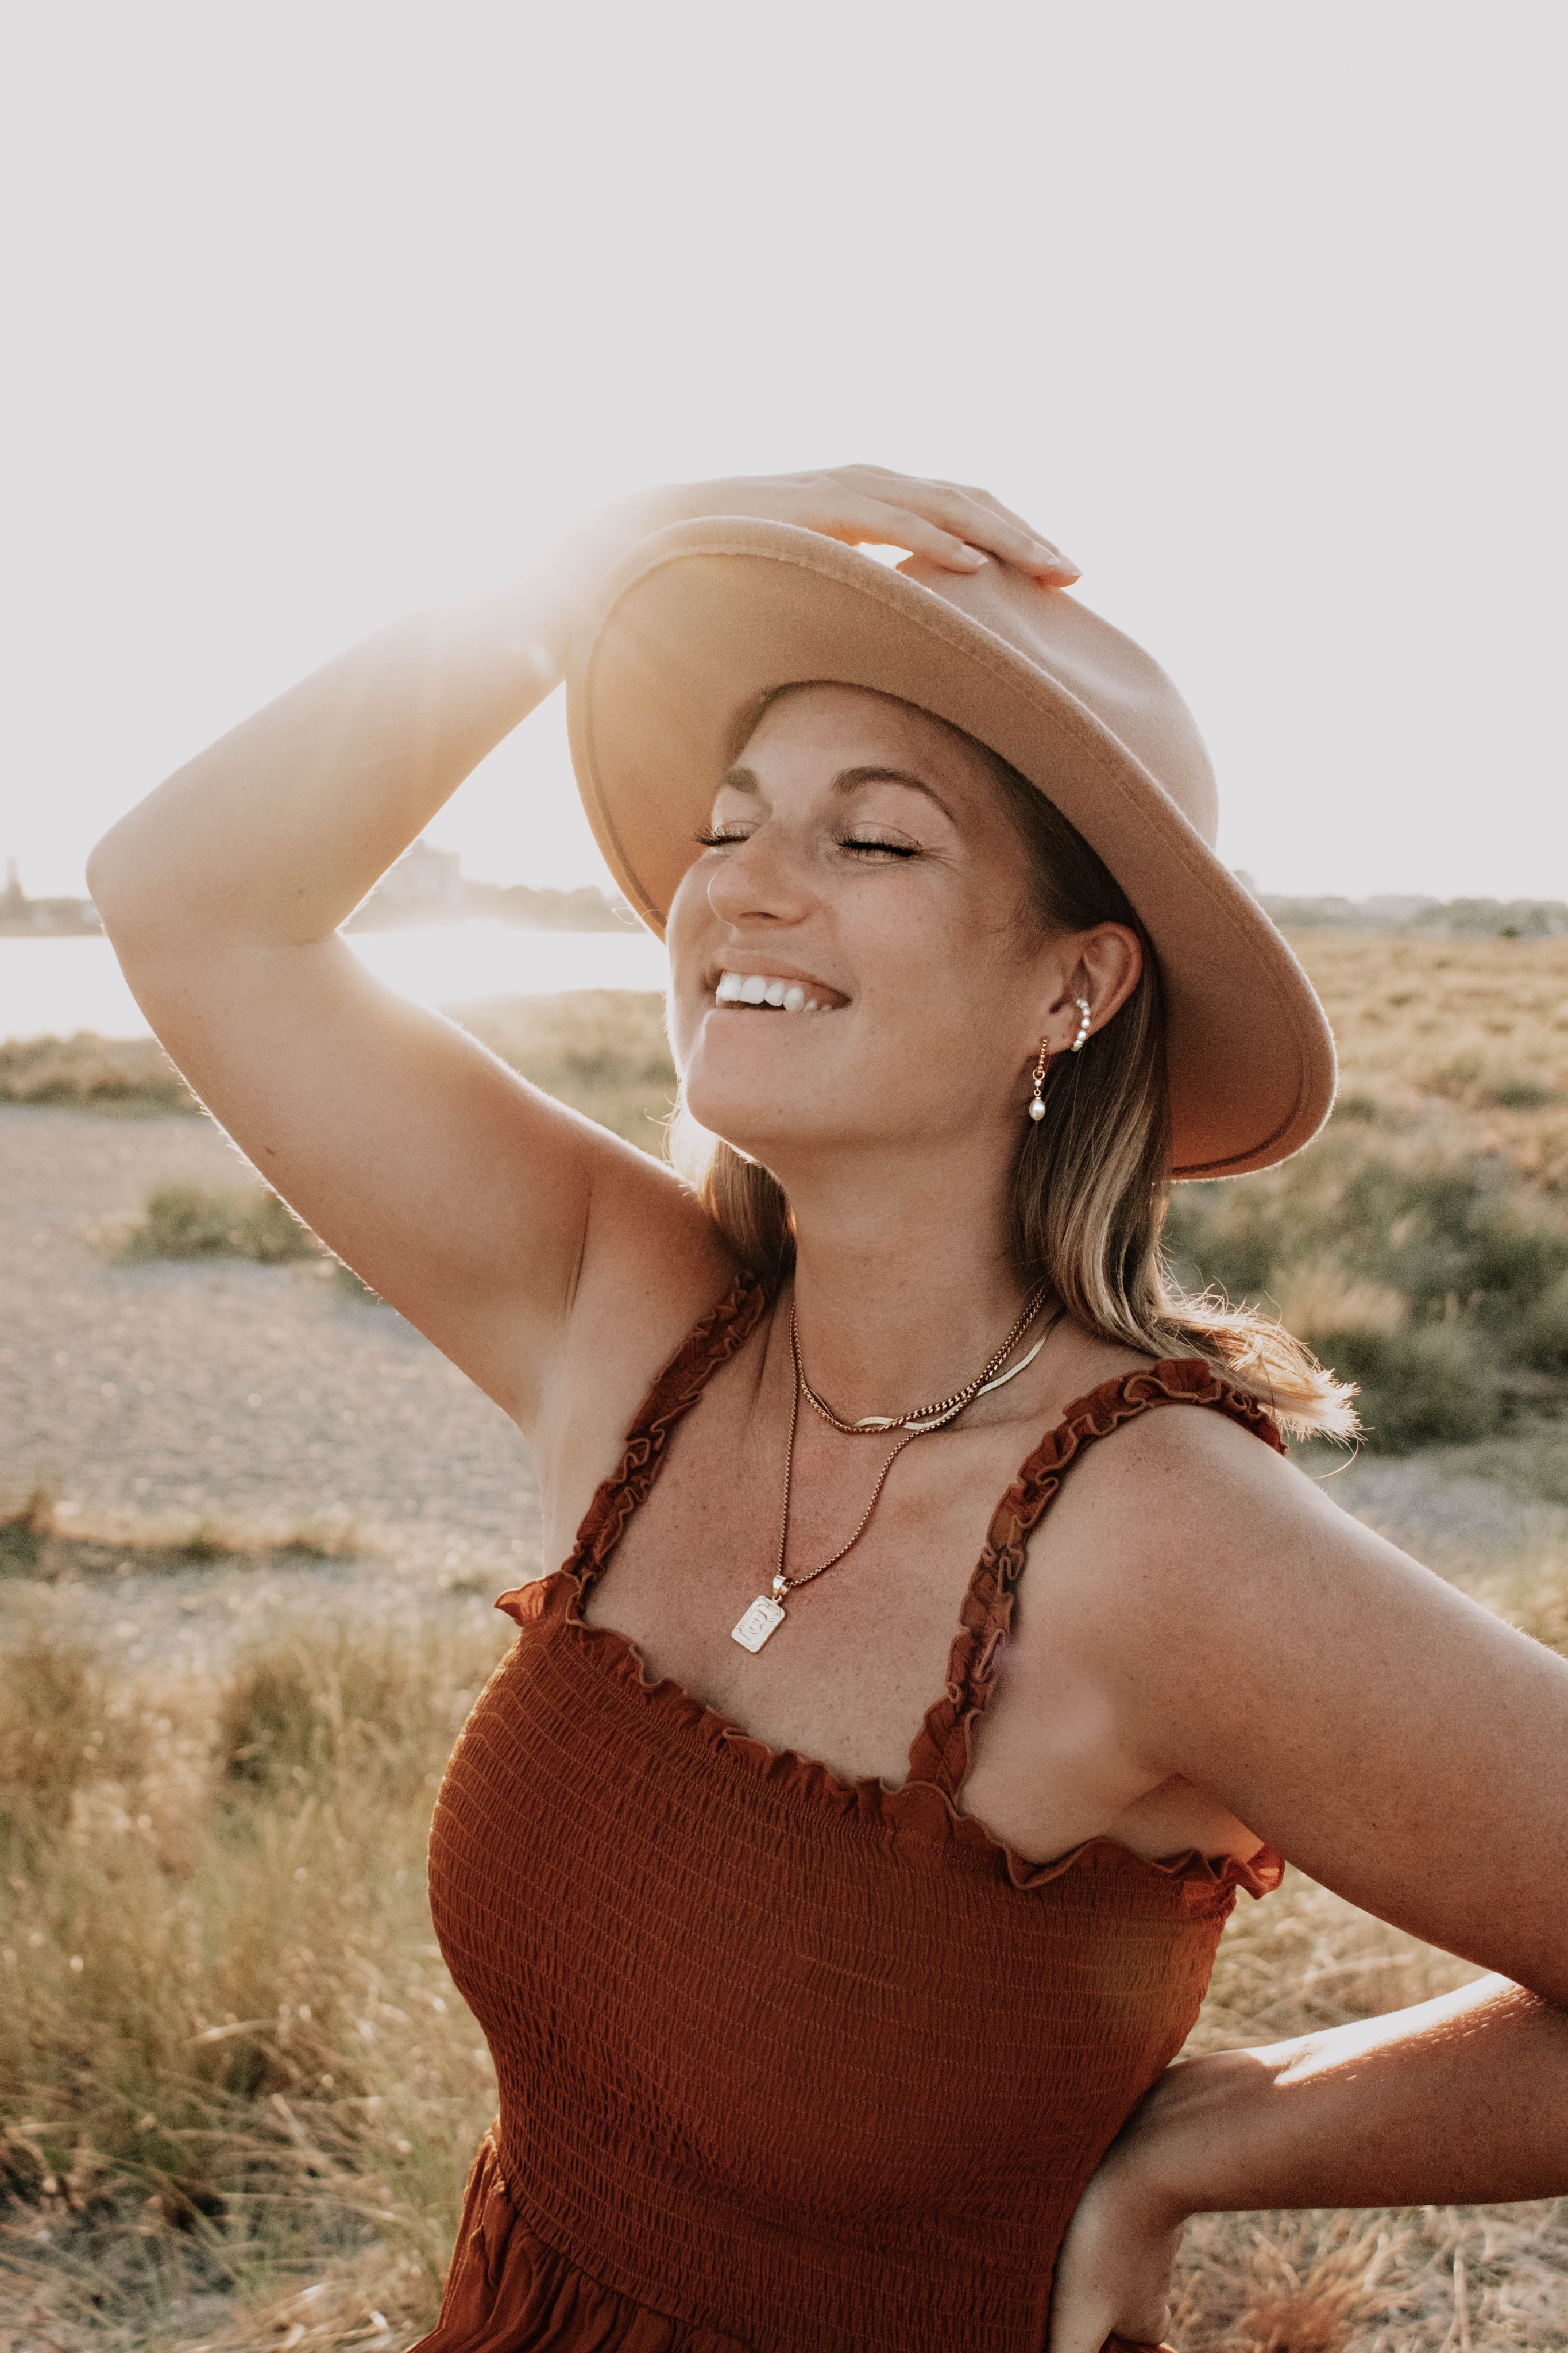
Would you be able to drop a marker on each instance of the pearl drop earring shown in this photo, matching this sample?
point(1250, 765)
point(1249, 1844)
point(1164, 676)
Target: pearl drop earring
point(1037, 1108)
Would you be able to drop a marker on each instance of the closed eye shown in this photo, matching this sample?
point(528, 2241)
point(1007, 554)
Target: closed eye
point(870, 845)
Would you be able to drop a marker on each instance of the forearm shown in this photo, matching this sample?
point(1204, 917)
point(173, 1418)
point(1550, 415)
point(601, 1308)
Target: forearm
point(277, 831)
point(1460, 2100)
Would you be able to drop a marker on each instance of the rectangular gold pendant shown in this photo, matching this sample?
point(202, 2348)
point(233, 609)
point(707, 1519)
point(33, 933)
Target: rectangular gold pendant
point(762, 1618)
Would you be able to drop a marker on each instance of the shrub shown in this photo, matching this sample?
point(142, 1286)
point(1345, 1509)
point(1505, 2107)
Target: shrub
point(1437, 1286)
point(197, 1221)
point(105, 1073)
point(1426, 1385)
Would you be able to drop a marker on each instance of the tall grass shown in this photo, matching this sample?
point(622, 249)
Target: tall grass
point(233, 2069)
point(230, 2053)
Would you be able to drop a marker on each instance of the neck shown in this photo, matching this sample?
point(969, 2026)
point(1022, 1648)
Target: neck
point(904, 1281)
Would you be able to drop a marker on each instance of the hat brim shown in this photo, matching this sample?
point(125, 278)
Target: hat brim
point(701, 622)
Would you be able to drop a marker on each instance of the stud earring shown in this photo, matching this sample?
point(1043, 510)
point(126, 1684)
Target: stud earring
point(1037, 1108)
point(1076, 1046)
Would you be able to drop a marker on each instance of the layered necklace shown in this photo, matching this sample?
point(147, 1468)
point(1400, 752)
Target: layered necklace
point(766, 1614)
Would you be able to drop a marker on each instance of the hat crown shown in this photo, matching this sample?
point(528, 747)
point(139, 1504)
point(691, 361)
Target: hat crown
point(1114, 681)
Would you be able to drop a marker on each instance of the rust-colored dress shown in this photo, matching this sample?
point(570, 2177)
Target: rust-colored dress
point(786, 2064)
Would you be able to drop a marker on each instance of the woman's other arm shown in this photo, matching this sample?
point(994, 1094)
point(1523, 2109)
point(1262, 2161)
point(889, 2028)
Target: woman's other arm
point(1408, 1750)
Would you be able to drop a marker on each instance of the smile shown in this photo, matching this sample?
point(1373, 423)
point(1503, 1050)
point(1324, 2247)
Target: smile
point(746, 989)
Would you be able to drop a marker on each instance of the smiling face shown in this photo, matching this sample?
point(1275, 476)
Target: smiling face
point(861, 860)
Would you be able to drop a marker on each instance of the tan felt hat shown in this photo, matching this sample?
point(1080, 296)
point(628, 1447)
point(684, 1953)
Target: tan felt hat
point(699, 623)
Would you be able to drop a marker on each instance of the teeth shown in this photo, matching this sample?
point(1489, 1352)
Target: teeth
point(756, 988)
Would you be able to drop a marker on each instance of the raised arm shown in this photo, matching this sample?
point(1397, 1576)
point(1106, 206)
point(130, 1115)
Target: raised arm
point(522, 1240)
point(463, 1195)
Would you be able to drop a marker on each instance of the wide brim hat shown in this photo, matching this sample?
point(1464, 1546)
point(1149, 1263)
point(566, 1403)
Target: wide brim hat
point(698, 624)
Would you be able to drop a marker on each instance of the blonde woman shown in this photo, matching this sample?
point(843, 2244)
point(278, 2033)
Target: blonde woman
point(835, 1864)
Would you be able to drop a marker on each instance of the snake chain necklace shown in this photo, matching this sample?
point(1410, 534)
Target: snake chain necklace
point(766, 1614)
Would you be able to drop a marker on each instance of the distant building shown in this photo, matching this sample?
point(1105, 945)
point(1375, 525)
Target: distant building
point(428, 886)
point(425, 882)
point(20, 913)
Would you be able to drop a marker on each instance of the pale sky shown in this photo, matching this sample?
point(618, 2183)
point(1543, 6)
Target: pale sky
point(315, 312)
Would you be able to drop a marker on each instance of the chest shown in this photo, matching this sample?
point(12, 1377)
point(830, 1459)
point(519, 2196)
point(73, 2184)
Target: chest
point(863, 1649)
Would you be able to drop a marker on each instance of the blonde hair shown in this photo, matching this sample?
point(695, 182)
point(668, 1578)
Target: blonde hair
point(1090, 1180)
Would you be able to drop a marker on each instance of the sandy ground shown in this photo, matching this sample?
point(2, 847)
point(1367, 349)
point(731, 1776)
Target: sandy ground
point(219, 1386)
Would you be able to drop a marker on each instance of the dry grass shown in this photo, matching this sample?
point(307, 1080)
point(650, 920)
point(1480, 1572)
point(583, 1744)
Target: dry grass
point(238, 2094)
point(1466, 1041)
point(1421, 1244)
point(231, 2063)
point(44, 1539)
point(131, 1074)
point(602, 1051)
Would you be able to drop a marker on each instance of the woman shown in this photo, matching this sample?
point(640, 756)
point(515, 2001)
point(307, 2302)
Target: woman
point(808, 2039)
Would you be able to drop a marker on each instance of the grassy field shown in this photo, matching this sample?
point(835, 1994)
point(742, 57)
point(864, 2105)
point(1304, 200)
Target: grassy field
point(238, 2091)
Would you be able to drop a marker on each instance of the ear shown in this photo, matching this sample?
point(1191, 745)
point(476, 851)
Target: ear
point(1106, 966)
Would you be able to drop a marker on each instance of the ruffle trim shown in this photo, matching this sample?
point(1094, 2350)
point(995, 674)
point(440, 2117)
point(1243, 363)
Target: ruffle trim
point(942, 1748)
point(508, 2292)
point(924, 1807)
point(917, 1810)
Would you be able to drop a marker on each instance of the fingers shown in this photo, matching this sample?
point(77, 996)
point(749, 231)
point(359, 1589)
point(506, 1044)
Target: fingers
point(887, 524)
point(960, 518)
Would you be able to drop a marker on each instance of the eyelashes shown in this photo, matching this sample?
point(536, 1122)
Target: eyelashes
point(715, 839)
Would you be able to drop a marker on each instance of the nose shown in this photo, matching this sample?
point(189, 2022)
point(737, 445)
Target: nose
point(764, 877)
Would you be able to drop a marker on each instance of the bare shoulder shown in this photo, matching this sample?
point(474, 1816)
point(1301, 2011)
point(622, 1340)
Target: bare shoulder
point(651, 1265)
point(1363, 1715)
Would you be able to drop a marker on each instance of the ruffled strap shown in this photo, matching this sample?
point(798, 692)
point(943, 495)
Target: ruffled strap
point(941, 1749)
point(724, 1330)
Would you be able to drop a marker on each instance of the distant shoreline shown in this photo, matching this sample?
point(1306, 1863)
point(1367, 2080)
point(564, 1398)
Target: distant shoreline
point(517, 907)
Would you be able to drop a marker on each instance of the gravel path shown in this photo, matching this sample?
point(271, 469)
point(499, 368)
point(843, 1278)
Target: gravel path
point(249, 1393)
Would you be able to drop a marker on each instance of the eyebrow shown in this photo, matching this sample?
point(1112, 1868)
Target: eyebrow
point(746, 780)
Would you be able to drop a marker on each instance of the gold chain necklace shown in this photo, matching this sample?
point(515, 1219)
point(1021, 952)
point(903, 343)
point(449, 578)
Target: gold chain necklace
point(922, 1418)
point(766, 1614)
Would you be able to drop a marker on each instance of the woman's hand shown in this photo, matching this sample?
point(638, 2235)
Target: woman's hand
point(954, 526)
point(1113, 2269)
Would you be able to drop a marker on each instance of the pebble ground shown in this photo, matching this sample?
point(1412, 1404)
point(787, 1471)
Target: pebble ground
point(218, 1386)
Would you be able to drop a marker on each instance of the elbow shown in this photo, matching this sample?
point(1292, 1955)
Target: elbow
point(101, 875)
point(122, 887)
point(103, 879)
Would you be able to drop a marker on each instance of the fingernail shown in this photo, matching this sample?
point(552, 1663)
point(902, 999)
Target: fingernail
point(1053, 560)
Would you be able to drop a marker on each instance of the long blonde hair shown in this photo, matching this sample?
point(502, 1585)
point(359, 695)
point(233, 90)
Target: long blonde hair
point(1091, 1178)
